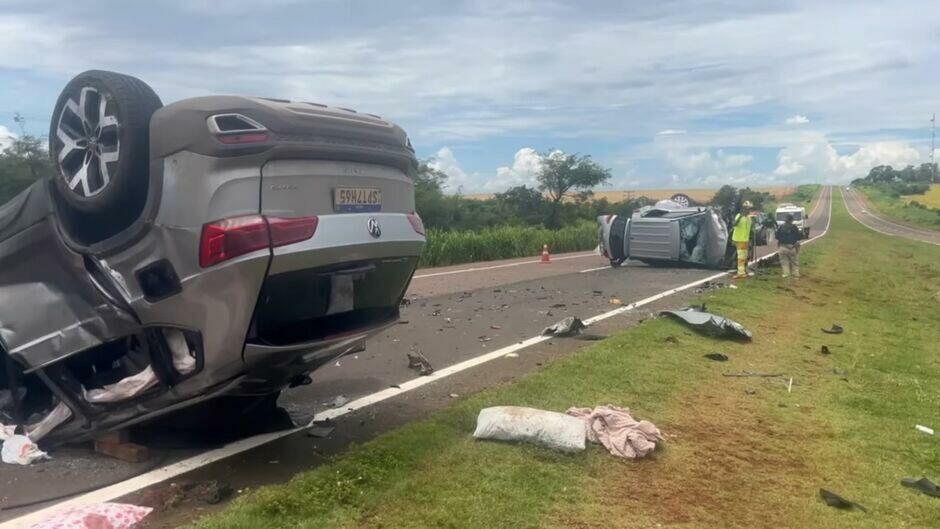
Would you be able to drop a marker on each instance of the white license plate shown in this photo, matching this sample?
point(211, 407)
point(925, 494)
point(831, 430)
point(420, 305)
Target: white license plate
point(357, 199)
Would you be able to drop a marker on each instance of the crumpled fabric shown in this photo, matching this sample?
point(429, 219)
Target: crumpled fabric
point(123, 389)
point(621, 434)
point(97, 516)
point(7, 431)
point(20, 450)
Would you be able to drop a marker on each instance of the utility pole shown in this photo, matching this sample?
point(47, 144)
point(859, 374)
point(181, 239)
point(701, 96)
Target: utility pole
point(933, 136)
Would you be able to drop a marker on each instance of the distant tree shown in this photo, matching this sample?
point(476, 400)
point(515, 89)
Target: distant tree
point(563, 173)
point(23, 162)
point(436, 210)
point(527, 204)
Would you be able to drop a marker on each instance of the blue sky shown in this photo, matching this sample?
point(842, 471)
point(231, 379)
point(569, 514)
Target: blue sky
point(667, 94)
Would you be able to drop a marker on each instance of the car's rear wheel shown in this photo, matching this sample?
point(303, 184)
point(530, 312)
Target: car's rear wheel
point(99, 143)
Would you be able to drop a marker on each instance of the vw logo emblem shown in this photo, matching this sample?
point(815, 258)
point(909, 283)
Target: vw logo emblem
point(374, 229)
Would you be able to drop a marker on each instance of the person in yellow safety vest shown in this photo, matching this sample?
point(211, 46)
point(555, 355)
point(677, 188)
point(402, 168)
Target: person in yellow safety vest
point(741, 236)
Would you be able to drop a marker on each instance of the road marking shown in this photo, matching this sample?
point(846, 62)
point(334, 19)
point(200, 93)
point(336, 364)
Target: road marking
point(494, 267)
point(594, 269)
point(170, 471)
point(845, 200)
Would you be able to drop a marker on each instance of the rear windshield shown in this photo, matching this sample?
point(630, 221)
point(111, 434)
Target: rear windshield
point(797, 216)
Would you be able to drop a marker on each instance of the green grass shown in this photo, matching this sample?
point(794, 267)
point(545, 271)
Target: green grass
point(902, 208)
point(733, 458)
point(455, 247)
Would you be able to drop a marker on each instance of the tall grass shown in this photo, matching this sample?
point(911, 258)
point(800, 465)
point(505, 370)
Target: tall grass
point(505, 242)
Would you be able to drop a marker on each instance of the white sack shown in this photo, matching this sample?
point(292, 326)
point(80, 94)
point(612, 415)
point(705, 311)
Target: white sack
point(123, 389)
point(20, 450)
point(545, 428)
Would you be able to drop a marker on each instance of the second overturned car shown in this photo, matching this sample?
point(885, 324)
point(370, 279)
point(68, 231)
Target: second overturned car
point(670, 233)
point(217, 246)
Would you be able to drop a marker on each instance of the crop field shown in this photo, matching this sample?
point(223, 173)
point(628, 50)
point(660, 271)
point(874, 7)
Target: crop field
point(454, 247)
point(699, 195)
point(931, 198)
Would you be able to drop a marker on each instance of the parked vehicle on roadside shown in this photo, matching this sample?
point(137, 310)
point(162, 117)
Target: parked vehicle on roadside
point(216, 246)
point(800, 219)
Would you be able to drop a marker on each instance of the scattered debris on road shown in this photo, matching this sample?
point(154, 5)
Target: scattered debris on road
point(496, 327)
point(418, 362)
point(718, 357)
point(835, 329)
point(925, 429)
point(339, 401)
point(615, 301)
point(97, 516)
point(615, 429)
point(834, 500)
point(320, 430)
point(710, 324)
point(511, 355)
point(454, 396)
point(550, 429)
point(924, 485)
point(566, 327)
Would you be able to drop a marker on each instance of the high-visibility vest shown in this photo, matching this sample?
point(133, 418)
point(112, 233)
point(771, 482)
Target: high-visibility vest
point(742, 228)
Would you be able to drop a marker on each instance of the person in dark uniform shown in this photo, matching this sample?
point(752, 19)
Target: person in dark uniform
point(788, 240)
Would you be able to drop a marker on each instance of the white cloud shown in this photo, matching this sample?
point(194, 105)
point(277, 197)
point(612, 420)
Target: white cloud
point(6, 138)
point(708, 169)
point(671, 132)
point(525, 168)
point(457, 179)
point(820, 161)
point(797, 120)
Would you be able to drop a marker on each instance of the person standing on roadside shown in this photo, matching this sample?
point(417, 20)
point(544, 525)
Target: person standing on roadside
point(741, 236)
point(788, 240)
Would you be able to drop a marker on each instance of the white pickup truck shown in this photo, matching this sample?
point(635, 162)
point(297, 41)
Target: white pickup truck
point(800, 220)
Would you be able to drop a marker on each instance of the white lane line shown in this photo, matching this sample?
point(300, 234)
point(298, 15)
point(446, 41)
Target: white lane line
point(594, 269)
point(494, 267)
point(159, 475)
point(869, 226)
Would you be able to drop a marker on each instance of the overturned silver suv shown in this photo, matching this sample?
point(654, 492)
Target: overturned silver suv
point(215, 246)
point(668, 233)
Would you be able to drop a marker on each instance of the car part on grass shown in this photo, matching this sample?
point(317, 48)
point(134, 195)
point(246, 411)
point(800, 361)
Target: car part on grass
point(718, 357)
point(621, 434)
point(710, 324)
point(96, 516)
point(569, 326)
point(825, 350)
point(21, 450)
point(834, 500)
point(925, 429)
point(835, 329)
point(745, 374)
point(418, 362)
point(230, 245)
point(549, 429)
point(924, 485)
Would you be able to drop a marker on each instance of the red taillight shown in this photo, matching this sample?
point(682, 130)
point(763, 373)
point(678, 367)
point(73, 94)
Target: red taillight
point(251, 137)
point(232, 237)
point(229, 238)
point(416, 223)
point(289, 231)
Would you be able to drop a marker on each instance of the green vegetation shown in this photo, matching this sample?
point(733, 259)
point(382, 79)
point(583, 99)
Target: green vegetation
point(888, 202)
point(901, 193)
point(504, 242)
point(21, 164)
point(740, 452)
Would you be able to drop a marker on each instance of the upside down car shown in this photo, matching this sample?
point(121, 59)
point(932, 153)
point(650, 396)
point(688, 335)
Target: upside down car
point(216, 246)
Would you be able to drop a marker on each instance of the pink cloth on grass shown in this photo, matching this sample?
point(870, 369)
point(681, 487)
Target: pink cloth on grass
point(618, 431)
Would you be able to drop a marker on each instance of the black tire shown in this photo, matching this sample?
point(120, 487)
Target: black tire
point(103, 176)
point(616, 263)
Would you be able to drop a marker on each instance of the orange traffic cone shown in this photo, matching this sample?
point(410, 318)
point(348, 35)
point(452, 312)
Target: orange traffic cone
point(546, 259)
